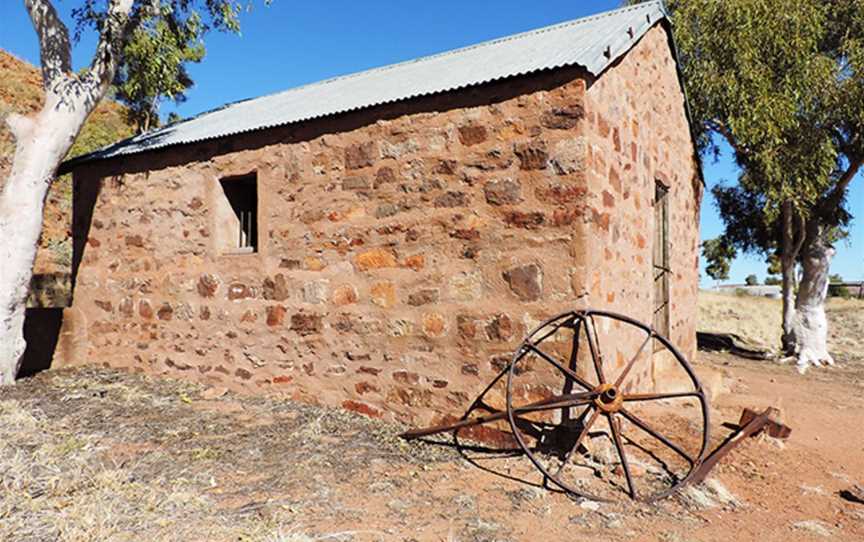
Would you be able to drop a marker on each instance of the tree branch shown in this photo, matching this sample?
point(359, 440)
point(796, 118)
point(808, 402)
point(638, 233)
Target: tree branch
point(723, 130)
point(19, 125)
point(848, 175)
point(111, 36)
point(55, 49)
point(802, 234)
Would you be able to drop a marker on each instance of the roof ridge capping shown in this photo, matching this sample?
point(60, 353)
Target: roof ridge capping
point(606, 37)
point(493, 41)
point(433, 56)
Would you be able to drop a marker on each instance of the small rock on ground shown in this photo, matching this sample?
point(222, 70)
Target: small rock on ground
point(814, 526)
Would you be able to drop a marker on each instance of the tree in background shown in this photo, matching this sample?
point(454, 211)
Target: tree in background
point(154, 68)
point(718, 254)
point(752, 280)
point(782, 82)
point(43, 140)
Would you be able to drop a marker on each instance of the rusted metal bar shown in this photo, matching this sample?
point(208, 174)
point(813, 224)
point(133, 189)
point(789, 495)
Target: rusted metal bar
point(775, 428)
point(550, 403)
point(750, 425)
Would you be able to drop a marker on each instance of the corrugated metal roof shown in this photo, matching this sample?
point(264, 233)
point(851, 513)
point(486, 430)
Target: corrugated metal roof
point(592, 42)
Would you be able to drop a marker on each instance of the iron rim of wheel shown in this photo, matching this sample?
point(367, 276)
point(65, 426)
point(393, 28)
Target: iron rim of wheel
point(604, 399)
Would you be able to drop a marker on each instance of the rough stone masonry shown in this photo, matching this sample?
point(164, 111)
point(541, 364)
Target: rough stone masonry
point(404, 250)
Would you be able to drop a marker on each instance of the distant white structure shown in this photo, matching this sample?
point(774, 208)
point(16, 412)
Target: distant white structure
point(855, 289)
point(759, 290)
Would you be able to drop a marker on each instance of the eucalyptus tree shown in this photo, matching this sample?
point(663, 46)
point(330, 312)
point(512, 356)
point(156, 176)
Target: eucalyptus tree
point(42, 140)
point(154, 68)
point(719, 255)
point(782, 82)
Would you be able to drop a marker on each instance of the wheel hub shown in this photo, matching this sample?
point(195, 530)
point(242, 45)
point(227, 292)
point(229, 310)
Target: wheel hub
point(609, 398)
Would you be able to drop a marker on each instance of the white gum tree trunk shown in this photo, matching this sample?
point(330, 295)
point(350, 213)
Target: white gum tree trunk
point(811, 329)
point(791, 246)
point(41, 144)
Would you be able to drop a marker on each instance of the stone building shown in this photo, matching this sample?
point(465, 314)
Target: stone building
point(383, 241)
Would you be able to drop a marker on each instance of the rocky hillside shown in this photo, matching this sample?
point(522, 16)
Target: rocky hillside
point(21, 92)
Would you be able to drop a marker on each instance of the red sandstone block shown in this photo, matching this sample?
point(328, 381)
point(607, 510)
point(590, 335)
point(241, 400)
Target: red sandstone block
point(415, 262)
point(383, 294)
point(608, 199)
point(525, 281)
point(563, 118)
point(433, 324)
point(376, 258)
point(359, 155)
point(363, 388)
point(528, 221)
point(472, 134)
point(275, 315)
point(406, 377)
point(345, 294)
point(561, 194)
point(468, 234)
point(361, 408)
point(531, 155)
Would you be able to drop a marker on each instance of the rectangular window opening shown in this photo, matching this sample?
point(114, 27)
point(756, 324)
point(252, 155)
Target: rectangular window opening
point(662, 272)
point(238, 221)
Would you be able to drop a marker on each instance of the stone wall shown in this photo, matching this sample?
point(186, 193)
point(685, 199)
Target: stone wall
point(404, 250)
point(639, 134)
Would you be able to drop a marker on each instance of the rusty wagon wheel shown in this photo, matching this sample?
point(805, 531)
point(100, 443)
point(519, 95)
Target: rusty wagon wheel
point(584, 369)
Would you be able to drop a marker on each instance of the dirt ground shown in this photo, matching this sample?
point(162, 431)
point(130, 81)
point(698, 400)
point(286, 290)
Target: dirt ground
point(93, 454)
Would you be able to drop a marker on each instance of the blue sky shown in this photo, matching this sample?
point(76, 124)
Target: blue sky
point(291, 43)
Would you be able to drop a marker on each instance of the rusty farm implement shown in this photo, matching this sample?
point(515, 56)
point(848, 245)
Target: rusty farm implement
point(602, 405)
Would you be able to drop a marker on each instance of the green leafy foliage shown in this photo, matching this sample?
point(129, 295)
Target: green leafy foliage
point(164, 38)
point(154, 68)
point(718, 254)
point(774, 265)
point(751, 280)
point(780, 80)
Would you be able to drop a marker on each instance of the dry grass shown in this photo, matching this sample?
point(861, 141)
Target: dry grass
point(758, 320)
point(846, 334)
point(58, 485)
point(99, 455)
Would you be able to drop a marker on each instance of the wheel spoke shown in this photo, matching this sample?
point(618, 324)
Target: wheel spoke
point(645, 427)
point(632, 361)
point(567, 372)
point(616, 436)
point(594, 346)
point(658, 396)
point(585, 428)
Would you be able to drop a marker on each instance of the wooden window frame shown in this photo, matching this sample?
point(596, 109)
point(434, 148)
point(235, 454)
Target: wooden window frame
point(660, 260)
